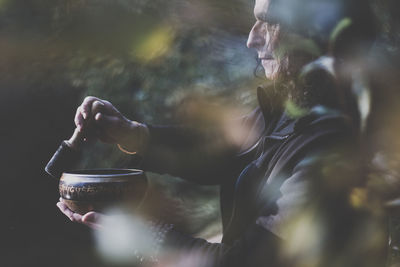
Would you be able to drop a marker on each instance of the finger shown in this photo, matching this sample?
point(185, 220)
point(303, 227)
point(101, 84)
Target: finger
point(63, 208)
point(111, 110)
point(108, 127)
point(75, 217)
point(87, 106)
point(106, 121)
point(78, 118)
point(111, 125)
point(98, 107)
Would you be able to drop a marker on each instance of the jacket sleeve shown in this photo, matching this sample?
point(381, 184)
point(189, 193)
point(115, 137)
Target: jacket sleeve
point(203, 156)
point(256, 247)
point(294, 193)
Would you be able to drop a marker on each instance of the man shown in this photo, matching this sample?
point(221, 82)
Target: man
point(266, 182)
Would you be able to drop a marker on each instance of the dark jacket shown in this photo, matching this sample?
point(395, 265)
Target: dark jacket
point(259, 186)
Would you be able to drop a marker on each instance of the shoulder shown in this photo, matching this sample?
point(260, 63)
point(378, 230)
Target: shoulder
point(320, 131)
point(322, 121)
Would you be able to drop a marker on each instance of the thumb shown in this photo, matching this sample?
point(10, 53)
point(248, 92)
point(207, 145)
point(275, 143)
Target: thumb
point(106, 121)
point(108, 127)
point(109, 123)
point(93, 219)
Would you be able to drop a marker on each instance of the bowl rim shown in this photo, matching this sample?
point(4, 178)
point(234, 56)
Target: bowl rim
point(85, 173)
point(75, 177)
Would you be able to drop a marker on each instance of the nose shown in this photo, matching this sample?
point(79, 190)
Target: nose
point(255, 39)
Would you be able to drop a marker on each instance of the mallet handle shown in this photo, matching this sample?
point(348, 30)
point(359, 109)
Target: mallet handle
point(66, 155)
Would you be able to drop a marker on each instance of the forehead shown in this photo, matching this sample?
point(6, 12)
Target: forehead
point(260, 9)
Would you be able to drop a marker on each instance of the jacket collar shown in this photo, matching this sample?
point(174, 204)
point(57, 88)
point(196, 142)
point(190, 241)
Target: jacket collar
point(280, 125)
point(277, 123)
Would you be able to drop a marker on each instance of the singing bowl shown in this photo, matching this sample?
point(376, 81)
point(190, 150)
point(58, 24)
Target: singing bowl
point(95, 190)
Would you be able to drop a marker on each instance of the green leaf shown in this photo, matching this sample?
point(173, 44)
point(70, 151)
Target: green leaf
point(293, 110)
point(342, 25)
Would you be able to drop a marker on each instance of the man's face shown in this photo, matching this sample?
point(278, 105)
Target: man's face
point(264, 38)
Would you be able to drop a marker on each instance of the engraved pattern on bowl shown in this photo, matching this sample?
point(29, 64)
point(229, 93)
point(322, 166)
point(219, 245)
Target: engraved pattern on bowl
point(87, 190)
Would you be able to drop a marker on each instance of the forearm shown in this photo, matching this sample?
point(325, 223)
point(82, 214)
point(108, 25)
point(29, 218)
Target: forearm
point(196, 155)
point(256, 247)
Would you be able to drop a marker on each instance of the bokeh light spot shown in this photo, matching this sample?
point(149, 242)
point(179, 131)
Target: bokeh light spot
point(155, 45)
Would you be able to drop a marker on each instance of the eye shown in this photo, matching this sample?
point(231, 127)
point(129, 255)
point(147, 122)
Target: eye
point(264, 27)
point(267, 28)
point(272, 28)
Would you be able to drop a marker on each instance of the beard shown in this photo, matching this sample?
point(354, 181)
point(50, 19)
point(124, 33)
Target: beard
point(305, 87)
